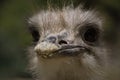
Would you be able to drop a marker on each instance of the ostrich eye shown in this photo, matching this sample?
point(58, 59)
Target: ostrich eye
point(35, 33)
point(90, 35)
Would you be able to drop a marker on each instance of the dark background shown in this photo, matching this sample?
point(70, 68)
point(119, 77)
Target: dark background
point(15, 38)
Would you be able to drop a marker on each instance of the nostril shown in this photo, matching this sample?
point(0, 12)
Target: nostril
point(62, 42)
point(52, 39)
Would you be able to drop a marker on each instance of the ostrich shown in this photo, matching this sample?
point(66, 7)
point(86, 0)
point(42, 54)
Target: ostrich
point(68, 45)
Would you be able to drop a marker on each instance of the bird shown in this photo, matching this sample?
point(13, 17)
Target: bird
point(67, 45)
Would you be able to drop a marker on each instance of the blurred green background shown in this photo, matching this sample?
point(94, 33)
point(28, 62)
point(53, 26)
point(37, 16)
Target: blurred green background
point(15, 38)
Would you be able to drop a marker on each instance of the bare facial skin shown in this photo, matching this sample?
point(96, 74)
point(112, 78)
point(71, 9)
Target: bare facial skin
point(68, 45)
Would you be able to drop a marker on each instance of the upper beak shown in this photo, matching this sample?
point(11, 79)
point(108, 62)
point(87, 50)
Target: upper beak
point(47, 50)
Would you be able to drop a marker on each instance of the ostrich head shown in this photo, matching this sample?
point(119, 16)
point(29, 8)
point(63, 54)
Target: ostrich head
point(68, 45)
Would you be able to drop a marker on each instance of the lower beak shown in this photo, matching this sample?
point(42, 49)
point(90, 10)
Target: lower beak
point(71, 50)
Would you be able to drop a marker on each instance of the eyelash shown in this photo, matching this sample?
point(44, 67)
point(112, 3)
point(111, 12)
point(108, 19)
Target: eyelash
point(90, 34)
point(35, 33)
